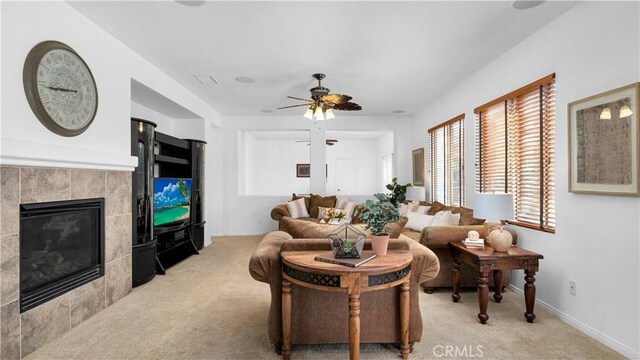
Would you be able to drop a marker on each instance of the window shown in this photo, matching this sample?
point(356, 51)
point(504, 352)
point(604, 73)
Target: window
point(515, 151)
point(387, 171)
point(447, 162)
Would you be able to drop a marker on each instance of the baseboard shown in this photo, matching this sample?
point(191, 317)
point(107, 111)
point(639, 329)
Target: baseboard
point(586, 329)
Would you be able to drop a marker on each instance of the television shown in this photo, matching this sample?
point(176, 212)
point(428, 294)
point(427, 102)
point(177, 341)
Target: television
point(171, 200)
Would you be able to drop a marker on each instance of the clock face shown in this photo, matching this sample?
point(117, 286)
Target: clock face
point(61, 89)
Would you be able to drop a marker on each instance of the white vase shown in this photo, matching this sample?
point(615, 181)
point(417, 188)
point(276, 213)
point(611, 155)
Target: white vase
point(379, 243)
point(500, 240)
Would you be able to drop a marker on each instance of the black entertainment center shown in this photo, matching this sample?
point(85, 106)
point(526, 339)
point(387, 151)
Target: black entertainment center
point(163, 239)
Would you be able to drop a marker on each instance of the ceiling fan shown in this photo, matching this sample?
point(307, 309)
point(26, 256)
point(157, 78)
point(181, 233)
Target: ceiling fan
point(322, 104)
point(329, 142)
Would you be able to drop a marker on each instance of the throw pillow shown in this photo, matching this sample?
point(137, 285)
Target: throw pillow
point(297, 209)
point(316, 200)
point(445, 218)
point(341, 202)
point(420, 209)
point(403, 209)
point(349, 208)
point(322, 212)
point(306, 200)
point(418, 221)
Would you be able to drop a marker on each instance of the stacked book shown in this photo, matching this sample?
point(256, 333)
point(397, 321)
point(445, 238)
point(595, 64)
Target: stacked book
point(473, 244)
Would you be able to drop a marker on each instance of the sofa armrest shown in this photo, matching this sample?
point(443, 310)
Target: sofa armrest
point(425, 265)
point(279, 211)
point(265, 263)
point(437, 237)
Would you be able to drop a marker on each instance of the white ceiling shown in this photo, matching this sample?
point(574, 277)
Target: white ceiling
point(304, 134)
point(387, 55)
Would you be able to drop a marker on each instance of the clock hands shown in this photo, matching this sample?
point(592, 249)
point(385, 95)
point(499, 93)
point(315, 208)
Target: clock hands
point(61, 89)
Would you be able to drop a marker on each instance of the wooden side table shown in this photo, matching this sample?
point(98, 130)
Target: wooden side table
point(488, 260)
point(383, 272)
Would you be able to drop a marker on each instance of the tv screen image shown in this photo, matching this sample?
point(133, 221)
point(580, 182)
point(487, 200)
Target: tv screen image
point(171, 200)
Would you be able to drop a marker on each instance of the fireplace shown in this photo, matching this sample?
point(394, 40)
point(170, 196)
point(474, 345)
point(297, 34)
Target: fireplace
point(61, 248)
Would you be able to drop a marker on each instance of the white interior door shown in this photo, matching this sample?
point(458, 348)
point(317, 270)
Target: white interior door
point(347, 176)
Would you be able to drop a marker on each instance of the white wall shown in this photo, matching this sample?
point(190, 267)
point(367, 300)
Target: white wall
point(597, 236)
point(106, 143)
point(364, 151)
point(237, 219)
point(165, 123)
point(270, 166)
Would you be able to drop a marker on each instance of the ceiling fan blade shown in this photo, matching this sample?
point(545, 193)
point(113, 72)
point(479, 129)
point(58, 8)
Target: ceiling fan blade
point(291, 106)
point(348, 106)
point(335, 98)
point(297, 98)
point(330, 144)
point(332, 140)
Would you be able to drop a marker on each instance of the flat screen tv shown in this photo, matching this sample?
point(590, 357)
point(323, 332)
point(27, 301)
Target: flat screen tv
point(171, 200)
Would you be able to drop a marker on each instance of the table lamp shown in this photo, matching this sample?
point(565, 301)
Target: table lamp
point(416, 193)
point(494, 208)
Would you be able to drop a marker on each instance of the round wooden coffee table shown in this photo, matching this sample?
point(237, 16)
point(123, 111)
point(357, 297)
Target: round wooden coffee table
point(383, 272)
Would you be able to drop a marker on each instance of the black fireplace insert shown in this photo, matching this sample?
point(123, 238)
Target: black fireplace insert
point(61, 248)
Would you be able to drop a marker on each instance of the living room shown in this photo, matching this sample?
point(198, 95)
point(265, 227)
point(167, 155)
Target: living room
point(217, 72)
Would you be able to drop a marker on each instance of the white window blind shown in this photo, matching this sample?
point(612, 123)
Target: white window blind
point(515, 151)
point(447, 162)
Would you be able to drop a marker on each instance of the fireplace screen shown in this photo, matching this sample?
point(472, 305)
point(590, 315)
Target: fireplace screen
point(61, 248)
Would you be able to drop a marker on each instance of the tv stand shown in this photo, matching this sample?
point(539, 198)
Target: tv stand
point(173, 240)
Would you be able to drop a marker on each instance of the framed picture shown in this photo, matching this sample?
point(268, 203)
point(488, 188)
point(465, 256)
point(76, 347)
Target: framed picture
point(603, 143)
point(418, 167)
point(303, 170)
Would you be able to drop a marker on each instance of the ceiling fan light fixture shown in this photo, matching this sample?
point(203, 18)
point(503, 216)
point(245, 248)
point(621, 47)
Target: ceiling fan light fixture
point(318, 114)
point(625, 111)
point(329, 114)
point(309, 114)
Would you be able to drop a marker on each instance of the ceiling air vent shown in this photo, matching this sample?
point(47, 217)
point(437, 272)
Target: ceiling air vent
point(206, 79)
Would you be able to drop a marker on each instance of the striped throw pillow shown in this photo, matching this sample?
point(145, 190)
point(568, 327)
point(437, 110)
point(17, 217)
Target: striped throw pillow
point(341, 202)
point(297, 209)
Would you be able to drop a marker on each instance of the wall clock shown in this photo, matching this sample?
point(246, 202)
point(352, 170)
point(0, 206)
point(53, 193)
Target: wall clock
point(60, 88)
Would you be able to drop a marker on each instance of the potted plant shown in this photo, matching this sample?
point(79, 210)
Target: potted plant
point(379, 214)
point(398, 192)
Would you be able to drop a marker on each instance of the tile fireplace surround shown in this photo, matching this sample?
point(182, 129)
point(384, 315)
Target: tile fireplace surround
point(21, 334)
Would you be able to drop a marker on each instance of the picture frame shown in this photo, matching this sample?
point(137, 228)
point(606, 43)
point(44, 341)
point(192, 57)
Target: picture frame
point(604, 143)
point(303, 170)
point(418, 167)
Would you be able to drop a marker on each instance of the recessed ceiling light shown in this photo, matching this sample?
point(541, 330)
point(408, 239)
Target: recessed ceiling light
point(525, 4)
point(245, 79)
point(190, 2)
point(398, 111)
point(266, 111)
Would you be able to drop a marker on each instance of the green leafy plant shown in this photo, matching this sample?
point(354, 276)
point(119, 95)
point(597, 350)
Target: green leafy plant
point(398, 192)
point(379, 213)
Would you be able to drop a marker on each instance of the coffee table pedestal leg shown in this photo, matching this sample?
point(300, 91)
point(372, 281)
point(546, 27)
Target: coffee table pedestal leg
point(456, 278)
point(405, 349)
point(286, 319)
point(497, 281)
point(529, 294)
point(354, 317)
point(483, 295)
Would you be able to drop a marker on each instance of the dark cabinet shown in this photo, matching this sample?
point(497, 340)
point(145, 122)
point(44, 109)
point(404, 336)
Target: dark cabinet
point(143, 240)
point(197, 196)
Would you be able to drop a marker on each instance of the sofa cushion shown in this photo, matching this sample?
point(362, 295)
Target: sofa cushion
point(316, 200)
point(342, 201)
point(309, 228)
point(418, 221)
point(307, 199)
point(297, 209)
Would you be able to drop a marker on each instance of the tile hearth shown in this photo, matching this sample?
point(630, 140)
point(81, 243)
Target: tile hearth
point(21, 334)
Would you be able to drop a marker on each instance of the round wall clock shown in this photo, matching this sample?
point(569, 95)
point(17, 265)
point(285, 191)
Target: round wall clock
point(60, 88)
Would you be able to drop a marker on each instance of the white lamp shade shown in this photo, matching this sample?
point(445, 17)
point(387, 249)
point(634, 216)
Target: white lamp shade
point(493, 206)
point(625, 111)
point(309, 114)
point(329, 114)
point(416, 193)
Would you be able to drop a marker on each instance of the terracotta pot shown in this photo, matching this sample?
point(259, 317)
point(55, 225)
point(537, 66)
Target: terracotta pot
point(500, 240)
point(379, 243)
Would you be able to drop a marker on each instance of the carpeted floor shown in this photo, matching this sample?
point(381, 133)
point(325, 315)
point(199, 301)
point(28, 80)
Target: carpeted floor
point(209, 307)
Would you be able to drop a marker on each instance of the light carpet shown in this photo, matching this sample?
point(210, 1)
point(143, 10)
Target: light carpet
point(209, 307)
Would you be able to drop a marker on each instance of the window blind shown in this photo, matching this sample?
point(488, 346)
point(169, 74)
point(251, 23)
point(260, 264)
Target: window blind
point(515, 151)
point(447, 162)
